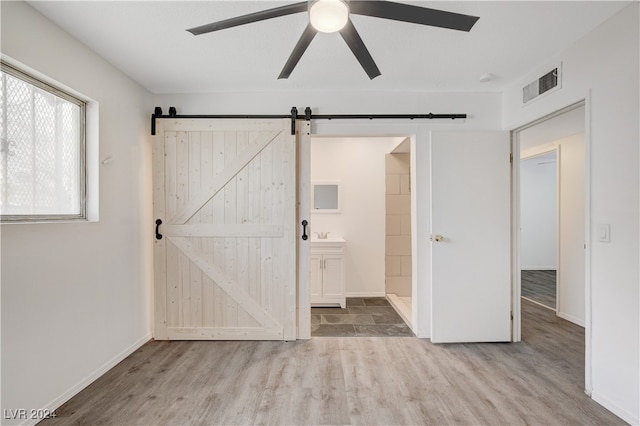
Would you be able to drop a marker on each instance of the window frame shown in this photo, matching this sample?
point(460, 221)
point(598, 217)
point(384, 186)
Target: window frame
point(82, 216)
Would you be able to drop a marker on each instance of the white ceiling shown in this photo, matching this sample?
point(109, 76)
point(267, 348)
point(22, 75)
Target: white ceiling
point(147, 40)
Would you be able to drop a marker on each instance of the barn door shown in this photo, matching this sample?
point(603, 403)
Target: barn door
point(225, 266)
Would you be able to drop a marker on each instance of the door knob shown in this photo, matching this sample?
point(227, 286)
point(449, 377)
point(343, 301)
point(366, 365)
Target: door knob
point(437, 238)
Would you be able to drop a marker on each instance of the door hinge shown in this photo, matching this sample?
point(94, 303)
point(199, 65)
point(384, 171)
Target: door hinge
point(510, 158)
point(511, 315)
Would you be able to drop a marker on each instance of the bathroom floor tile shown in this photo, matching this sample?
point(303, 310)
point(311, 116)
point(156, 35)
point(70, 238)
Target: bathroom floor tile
point(347, 319)
point(315, 322)
point(363, 316)
point(354, 301)
point(372, 310)
point(322, 311)
point(375, 301)
point(387, 318)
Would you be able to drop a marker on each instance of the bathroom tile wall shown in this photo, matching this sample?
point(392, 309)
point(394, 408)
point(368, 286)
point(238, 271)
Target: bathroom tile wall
point(398, 225)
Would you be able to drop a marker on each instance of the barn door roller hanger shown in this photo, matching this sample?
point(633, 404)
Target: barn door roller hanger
point(308, 116)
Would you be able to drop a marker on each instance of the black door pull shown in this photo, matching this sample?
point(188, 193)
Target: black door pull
point(304, 230)
point(158, 234)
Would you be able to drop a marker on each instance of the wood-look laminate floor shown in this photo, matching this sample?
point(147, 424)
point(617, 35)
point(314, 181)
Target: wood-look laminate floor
point(359, 380)
point(539, 286)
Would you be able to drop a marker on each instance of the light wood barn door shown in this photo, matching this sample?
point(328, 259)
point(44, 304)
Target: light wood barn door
point(225, 267)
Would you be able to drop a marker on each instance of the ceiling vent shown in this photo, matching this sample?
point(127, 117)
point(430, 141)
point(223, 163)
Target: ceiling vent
point(542, 85)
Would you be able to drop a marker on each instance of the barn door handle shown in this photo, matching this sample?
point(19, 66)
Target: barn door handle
point(158, 234)
point(304, 230)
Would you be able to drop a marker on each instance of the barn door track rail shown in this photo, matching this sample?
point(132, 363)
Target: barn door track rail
point(308, 116)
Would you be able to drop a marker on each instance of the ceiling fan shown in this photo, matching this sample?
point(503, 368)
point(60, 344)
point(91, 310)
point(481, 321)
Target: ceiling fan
point(333, 15)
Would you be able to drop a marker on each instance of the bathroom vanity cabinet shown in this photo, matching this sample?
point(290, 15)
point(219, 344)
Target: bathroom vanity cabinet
point(328, 272)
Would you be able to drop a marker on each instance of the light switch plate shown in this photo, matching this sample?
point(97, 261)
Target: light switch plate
point(604, 233)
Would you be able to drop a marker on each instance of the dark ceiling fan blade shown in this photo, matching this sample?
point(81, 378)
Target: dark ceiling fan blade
point(252, 17)
point(304, 41)
point(414, 14)
point(355, 43)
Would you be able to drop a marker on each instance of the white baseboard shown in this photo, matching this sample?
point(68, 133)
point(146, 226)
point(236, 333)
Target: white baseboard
point(538, 268)
point(537, 303)
point(366, 294)
point(571, 318)
point(57, 403)
point(628, 417)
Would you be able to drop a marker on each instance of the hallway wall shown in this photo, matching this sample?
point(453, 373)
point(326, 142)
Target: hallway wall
point(539, 212)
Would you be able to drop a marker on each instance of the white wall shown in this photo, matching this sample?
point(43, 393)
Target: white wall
point(75, 296)
point(539, 212)
point(603, 67)
point(359, 165)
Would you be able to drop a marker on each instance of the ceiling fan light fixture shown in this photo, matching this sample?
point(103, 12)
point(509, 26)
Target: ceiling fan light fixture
point(328, 16)
point(331, 16)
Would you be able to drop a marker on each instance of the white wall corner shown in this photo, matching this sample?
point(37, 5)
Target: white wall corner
point(632, 419)
point(52, 406)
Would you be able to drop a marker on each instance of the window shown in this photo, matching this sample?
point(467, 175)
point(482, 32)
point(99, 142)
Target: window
point(42, 150)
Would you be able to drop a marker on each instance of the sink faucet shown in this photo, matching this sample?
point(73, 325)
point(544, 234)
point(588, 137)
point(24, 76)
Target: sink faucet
point(322, 235)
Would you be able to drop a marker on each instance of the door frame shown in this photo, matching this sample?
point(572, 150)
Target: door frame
point(303, 204)
point(304, 209)
point(516, 237)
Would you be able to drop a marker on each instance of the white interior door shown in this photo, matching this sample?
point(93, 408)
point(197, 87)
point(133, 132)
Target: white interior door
point(470, 226)
point(225, 267)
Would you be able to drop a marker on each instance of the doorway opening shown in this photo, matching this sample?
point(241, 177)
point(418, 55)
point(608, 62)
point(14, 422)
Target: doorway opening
point(551, 177)
point(348, 238)
point(398, 281)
